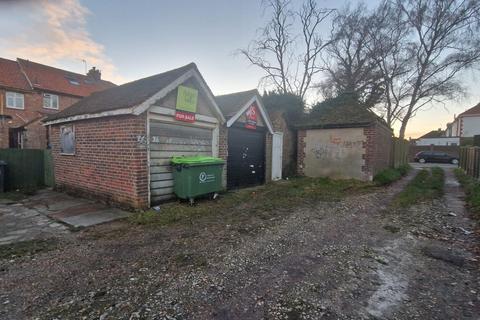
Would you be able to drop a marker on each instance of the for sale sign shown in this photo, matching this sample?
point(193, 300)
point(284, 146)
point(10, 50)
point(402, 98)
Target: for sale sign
point(251, 115)
point(186, 104)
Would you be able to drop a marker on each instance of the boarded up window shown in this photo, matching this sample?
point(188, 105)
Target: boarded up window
point(67, 139)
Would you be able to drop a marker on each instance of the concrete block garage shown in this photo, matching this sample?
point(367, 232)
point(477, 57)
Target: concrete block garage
point(343, 142)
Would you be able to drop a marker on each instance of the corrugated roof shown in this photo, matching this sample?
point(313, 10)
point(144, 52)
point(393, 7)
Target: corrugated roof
point(48, 78)
point(338, 116)
point(472, 111)
point(231, 103)
point(11, 76)
point(123, 96)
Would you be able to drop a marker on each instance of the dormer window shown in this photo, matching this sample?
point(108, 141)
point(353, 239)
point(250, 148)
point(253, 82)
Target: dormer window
point(73, 81)
point(50, 101)
point(15, 100)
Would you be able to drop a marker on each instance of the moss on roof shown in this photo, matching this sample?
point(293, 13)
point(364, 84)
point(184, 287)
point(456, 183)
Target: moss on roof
point(332, 115)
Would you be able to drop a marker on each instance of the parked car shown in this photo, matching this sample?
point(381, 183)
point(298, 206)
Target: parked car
point(435, 156)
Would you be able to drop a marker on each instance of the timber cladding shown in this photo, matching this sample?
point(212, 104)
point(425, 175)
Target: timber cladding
point(110, 160)
point(168, 140)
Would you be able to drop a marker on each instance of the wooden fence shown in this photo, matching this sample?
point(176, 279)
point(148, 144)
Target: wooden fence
point(470, 161)
point(400, 149)
point(27, 168)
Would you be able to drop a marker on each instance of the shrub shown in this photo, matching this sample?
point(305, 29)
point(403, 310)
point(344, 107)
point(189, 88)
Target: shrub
point(387, 176)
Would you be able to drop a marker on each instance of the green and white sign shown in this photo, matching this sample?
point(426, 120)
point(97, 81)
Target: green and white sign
point(187, 99)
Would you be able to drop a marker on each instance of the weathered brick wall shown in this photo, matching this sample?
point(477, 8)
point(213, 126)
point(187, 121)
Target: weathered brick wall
point(378, 149)
point(223, 151)
point(301, 135)
point(289, 161)
point(35, 136)
point(109, 162)
point(268, 157)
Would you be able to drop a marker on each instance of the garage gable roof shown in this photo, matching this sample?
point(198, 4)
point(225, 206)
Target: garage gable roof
point(338, 116)
point(233, 105)
point(134, 97)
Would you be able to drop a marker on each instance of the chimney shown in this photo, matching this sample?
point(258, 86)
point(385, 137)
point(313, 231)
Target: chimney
point(94, 74)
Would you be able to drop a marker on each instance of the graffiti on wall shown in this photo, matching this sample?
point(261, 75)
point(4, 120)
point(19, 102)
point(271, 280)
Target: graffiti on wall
point(336, 148)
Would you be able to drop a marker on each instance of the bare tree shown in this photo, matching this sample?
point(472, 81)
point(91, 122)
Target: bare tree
point(444, 42)
point(350, 64)
point(289, 60)
point(388, 34)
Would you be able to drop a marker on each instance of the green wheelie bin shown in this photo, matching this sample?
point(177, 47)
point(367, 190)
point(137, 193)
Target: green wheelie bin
point(196, 176)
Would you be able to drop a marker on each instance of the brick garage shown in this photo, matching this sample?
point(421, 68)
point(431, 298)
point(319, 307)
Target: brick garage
point(108, 162)
point(245, 142)
point(116, 145)
point(343, 142)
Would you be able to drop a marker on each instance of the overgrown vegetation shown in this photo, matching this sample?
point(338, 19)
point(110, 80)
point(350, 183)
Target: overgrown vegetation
point(390, 175)
point(263, 202)
point(17, 195)
point(472, 189)
point(427, 185)
point(24, 248)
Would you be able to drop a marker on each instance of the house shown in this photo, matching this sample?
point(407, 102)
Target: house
point(117, 144)
point(437, 138)
point(343, 142)
point(466, 124)
point(248, 136)
point(31, 91)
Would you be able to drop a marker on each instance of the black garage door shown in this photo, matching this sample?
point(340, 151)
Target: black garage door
point(246, 158)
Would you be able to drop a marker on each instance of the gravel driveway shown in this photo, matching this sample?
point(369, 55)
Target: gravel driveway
point(351, 259)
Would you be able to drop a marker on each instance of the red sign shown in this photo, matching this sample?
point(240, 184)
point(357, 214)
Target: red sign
point(251, 115)
point(185, 116)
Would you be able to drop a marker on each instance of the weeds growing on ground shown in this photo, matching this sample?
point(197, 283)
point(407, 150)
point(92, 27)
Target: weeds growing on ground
point(262, 201)
point(427, 185)
point(472, 189)
point(24, 248)
point(390, 175)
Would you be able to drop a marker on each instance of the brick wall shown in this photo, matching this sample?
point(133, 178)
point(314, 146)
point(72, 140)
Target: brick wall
point(268, 156)
point(223, 151)
point(301, 134)
point(289, 161)
point(35, 135)
point(378, 149)
point(108, 164)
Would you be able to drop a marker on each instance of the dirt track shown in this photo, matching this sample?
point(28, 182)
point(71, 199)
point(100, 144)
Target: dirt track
point(352, 259)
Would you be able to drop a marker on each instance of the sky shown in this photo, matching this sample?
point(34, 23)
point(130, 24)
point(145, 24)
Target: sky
point(132, 39)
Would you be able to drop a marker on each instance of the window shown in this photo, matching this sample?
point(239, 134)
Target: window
point(50, 101)
point(67, 140)
point(15, 100)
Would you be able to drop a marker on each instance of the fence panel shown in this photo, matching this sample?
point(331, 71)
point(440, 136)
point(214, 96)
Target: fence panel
point(400, 152)
point(27, 168)
point(470, 161)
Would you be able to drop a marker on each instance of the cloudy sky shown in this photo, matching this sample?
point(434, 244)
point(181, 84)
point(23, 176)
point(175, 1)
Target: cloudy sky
point(131, 39)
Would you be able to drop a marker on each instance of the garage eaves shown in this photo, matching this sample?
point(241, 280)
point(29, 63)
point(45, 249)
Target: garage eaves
point(134, 98)
point(233, 105)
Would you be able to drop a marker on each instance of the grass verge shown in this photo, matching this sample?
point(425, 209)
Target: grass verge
point(263, 201)
point(26, 248)
point(390, 175)
point(427, 185)
point(472, 190)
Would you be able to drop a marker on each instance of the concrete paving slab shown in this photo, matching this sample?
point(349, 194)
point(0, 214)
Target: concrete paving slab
point(96, 217)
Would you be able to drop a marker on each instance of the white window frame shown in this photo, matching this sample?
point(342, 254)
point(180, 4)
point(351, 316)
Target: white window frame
point(74, 140)
point(51, 100)
point(15, 96)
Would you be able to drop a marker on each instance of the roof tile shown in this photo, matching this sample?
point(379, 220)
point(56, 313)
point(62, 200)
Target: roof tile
point(57, 80)
point(11, 75)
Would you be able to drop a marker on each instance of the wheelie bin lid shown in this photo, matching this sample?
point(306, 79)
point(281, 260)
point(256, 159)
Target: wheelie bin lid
point(196, 160)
